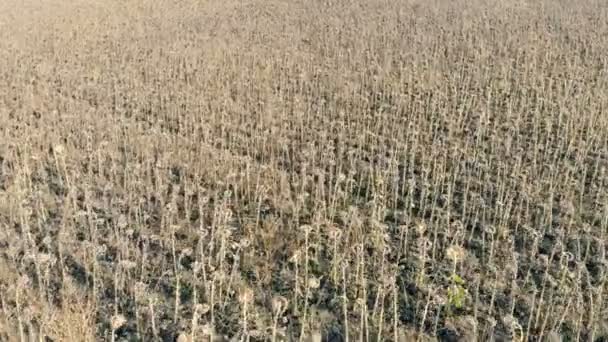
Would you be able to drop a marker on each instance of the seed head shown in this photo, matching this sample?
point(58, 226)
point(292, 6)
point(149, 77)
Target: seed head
point(246, 296)
point(279, 304)
point(455, 253)
point(118, 321)
point(314, 283)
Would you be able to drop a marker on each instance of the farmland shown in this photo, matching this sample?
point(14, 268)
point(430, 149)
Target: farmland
point(303, 170)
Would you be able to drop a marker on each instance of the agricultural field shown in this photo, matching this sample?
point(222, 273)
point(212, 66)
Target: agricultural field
point(303, 170)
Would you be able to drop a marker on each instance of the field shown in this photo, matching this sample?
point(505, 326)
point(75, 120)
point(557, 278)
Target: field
point(303, 170)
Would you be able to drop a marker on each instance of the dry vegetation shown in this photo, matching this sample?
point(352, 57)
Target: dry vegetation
point(303, 170)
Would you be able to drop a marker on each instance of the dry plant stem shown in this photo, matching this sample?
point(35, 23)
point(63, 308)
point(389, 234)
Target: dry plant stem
point(116, 275)
point(176, 274)
point(335, 260)
point(245, 332)
point(345, 304)
point(5, 313)
point(212, 301)
point(529, 326)
point(395, 311)
point(296, 289)
point(599, 298)
point(541, 296)
point(152, 314)
point(307, 230)
point(380, 318)
point(233, 272)
point(195, 316)
point(424, 314)
point(275, 323)
point(436, 324)
point(138, 326)
point(220, 275)
point(19, 315)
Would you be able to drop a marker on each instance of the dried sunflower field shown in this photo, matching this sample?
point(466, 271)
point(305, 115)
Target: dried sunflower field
point(303, 170)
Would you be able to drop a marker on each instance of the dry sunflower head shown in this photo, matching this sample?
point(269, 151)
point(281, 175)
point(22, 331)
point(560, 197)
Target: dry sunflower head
point(314, 283)
point(279, 304)
point(118, 321)
point(455, 253)
point(246, 296)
